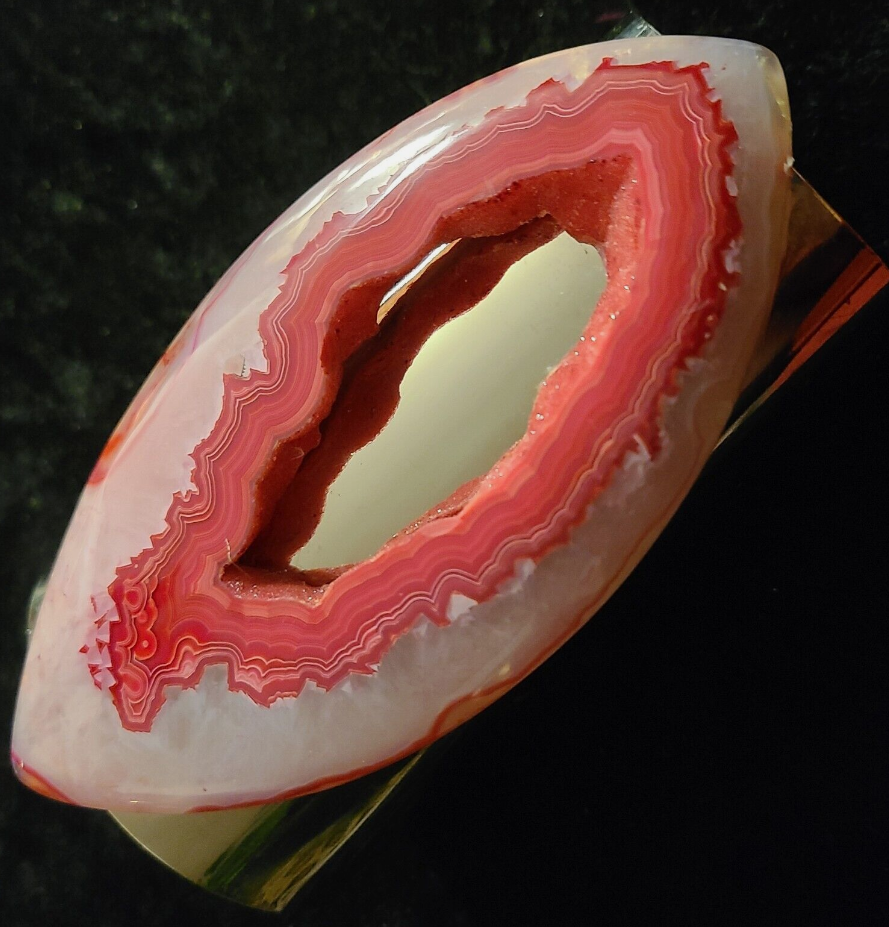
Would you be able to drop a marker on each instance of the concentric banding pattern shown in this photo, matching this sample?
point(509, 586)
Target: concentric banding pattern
point(635, 159)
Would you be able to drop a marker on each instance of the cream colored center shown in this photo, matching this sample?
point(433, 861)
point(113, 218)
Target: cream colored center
point(465, 400)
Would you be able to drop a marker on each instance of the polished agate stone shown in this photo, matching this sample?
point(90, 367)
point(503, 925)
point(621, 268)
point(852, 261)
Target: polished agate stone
point(199, 646)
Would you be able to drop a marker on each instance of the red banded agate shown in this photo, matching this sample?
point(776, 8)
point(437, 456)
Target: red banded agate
point(177, 643)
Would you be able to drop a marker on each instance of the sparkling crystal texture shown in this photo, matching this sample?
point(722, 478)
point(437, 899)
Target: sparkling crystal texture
point(180, 661)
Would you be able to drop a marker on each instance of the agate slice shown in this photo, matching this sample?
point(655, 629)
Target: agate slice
point(194, 650)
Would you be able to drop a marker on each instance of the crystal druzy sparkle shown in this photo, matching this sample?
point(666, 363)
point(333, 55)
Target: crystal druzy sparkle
point(180, 661)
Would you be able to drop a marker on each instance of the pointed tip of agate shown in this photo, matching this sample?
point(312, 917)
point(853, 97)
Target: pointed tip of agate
point(34, 781)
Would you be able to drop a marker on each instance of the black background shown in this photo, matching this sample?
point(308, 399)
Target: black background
point(713, 747)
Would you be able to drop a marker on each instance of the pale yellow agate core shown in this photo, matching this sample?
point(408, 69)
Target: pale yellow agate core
point(465, 400)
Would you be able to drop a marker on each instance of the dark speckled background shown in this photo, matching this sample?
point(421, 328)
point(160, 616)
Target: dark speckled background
point(713, 748)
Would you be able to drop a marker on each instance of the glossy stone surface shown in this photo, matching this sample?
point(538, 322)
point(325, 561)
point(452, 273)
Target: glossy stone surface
point(175, 645)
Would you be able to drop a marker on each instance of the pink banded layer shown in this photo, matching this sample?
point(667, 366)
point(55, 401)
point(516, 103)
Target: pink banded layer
point(176, 643)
